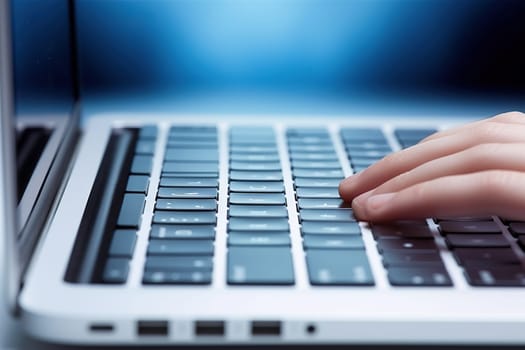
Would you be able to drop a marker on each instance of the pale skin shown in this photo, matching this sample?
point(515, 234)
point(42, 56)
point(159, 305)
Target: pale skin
point(476, 169)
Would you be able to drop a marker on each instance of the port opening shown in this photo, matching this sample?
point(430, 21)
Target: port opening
point(101, 327)
point(209, 328)
point(152, 328)
point(266, 328)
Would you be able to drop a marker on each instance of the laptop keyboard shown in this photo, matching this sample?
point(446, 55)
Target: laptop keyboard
point(181, 243)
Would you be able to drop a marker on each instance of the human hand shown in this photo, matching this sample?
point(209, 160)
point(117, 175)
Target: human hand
point(476, 169)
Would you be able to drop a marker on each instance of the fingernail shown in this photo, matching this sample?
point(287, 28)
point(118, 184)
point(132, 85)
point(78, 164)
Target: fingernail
point(379, 200)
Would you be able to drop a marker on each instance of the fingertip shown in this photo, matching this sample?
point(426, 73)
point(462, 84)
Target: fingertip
point(346, 187)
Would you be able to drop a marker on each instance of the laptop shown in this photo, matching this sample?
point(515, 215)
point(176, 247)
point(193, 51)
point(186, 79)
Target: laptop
point(152, 229)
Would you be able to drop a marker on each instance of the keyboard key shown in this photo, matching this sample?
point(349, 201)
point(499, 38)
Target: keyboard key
point(320, 165)
point(411, 258)
point(145, 147)
point(186, 204)
point(243, 157)
point(137, 183)
point(257, 198)
point(462, 218)
point(496, 276)
point(180, 247)
point(123, 243)
point(116, 271)
point(258, 224)
point(191, 155)
point(339, 228)
point(184, 217)
point(487, 256)
point(332, 215)
point(258, 211)
point(406, 244)
point(188, 144)
point(430, 275)
point(369, 146)
point(257, 166)
point(323, 174)
point(187, 192)
point(148, 132)
point(413, 134)
point(307, 131)
point(321, 203)
point(236, 175)
point(338, 267)
point(307, 182)
point(184, 167)
point(183, 232)
point(517, 228)
point(260, 266)
point(258, 239)
point(208, 174)
point(131, 210)
point(257, 186)
point(253, 149)
point(369, 154)
point(362, 134)
point(477, 241)
point(142, 164)
point(176, 277)
point(311, 148)
point(401, 230)
point(521, 242)
point(316, 192)
point(319, 156)
point(469, 227)
point(333, 242)
point(179, 263)
point(188, 182)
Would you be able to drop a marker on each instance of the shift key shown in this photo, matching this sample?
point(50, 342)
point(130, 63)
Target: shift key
point(131, 210)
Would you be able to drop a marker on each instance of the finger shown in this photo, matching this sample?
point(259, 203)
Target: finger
point(479, 194)
point(402, 161)
point(506, 118)
point(475, 159)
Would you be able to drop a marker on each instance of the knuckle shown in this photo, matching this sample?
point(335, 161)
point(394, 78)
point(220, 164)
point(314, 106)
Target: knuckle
point(496, 181)
point(487, 132)
point(510, 116)
point(480, 153)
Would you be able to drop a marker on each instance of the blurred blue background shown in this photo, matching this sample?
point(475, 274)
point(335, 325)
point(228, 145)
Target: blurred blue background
point(344, 48)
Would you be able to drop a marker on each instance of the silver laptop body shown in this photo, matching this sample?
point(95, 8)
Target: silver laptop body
point(265, 279)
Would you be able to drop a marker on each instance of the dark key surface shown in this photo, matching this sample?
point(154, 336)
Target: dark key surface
point(307, 182)
point(490, 256)
point(180, 247)
point(406, 244)
point(257, 186)
point(338, 267)
point(259, 239)
point(183, 231)
point(187, 192)
point(477, 241)
point(333, 242)
point(399, 230)
point(137, 183)
point(321, 203)
point(116, 270)
point(339, 228)
point(185, 167)
point(504, 276)
point(258, 211)
point(521, 242)
point(141, 164)
point(260, 266)
point(315, 192)
point(257, 198)
point(258, 224)
point(410, 258)
point(184, 217)
point(188, 182)
point(331, 215)
point(130, 214)
point(322, 174)
point(237, 175)
point(191, 155)
point(517, 228)
point(186, 204)
point(462, 218)
point(179, 263)
point(176, 277)
point(145, 147)
point(430, 275)
point(469, 227)
point(123, 243)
